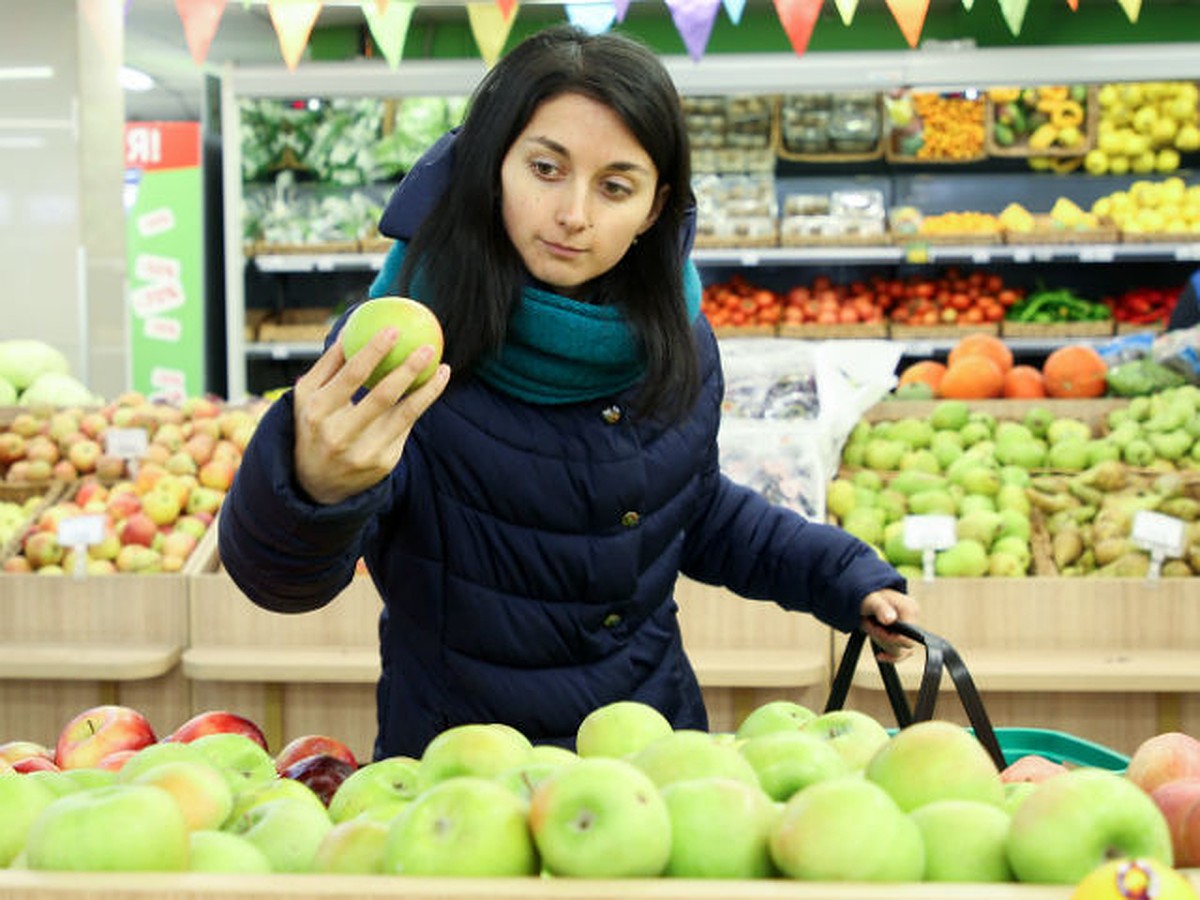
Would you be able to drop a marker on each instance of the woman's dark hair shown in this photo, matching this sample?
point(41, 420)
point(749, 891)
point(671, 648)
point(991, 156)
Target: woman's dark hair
point(475, 289)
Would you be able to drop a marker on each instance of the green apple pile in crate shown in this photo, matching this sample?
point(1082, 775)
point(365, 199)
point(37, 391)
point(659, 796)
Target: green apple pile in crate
point(151, 503)
point(785, 796)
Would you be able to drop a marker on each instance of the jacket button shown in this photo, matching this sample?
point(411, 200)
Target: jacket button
point(612, 620)
point(630, 519)
point(612, 414)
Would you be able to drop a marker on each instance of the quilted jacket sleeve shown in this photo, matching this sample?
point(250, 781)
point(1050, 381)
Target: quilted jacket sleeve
point(285, 552)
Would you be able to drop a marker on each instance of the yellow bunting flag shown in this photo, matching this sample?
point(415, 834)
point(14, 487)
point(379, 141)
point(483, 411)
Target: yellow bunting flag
point(910, 16)
point(1133, 9)
point(200, 20)
point(389, 27)
point(293, 21)
point(798, 18)
point(846, 9)
point(1014, 14)
point(490, 28)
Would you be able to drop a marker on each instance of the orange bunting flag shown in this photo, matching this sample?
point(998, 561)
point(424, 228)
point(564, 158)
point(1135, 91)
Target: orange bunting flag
point(293, 21)
point(200, 20)
point(798, 18)
point(506, 7)
point(389, 27)
point(910, 16)
point(1133, 9)
point(846, 9)
point(1014, 14)
point(490, 28)
point(1074, 4)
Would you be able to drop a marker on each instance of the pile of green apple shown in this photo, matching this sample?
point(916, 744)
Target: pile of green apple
point(791, 794)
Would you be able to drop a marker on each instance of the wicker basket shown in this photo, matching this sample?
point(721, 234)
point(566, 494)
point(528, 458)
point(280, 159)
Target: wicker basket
point(1091, 118)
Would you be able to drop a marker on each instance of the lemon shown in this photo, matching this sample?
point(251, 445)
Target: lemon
point(1108, 96)
point(1069, 136)
point(1118, 165)
point(1143, 163)
point(1119, 879)
point(1111, 142)
point(1144, 119)
point(1103, 205)
point(1096, 163)
point(1163, 131)
point(1187, 138)
point(1167, 160)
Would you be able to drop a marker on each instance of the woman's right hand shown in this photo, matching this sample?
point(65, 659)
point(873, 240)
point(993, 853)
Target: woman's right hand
point(342, 447)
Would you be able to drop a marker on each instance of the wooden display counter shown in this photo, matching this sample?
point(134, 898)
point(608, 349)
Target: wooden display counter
point(1110, 660)
point(121, 886)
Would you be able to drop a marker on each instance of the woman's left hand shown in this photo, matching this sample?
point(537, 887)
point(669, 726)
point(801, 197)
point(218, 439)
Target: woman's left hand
point(880, 609)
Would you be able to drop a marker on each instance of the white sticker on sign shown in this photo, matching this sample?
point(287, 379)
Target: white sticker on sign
point(81, 531)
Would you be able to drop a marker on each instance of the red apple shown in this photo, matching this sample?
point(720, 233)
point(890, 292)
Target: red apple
point(1165, 757)
point(12, 447)
point(217, 473)
point(215, 721)
point(34, 764)
point(42, 548)
point(123, 503)
point(89, 490)
point(138, 528)
point(84, 454)
point(322, 773)
point(115, 761)
point(17, 565)
point(1031, 767)
point(100, 731)
point(1179, 802)
point(15, 751)
point(110, 467)
point(42, 446)
point(312, 745)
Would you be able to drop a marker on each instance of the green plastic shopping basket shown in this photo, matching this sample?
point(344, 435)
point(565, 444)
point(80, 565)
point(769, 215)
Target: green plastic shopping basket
point(1004, 745)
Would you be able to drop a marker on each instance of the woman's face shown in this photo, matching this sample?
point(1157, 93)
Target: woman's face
point(577, 190)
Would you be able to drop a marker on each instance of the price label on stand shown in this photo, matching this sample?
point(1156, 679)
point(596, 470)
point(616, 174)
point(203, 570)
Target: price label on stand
point(1161, 535)
point(929, 534)
point(79, 533)
point(127, 443)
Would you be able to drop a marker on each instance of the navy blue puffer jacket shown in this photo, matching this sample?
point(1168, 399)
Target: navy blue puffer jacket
point(526, 555)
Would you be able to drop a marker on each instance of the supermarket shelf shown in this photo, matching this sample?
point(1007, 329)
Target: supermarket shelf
point(283, 263)
point(283, 350)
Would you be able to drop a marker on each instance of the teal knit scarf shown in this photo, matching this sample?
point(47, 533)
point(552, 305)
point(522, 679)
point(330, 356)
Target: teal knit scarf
point(559, 350)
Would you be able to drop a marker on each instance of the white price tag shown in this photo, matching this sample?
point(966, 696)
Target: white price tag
point(1159, 533)
point(929, 532)
point(127, 443)
point(1188, 252)
point(77, 531)
point(1023, 255)
point(981, 257)
point(751, 259)
point(1096, 254)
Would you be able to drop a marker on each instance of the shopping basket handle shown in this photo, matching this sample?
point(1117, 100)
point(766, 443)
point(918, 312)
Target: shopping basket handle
point(939, 654)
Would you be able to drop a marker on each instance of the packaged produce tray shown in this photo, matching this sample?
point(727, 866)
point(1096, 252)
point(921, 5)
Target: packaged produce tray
point(789, 152)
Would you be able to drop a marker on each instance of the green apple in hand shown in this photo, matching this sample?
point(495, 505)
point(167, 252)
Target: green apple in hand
point(719, 829)
point(1073, 822)
point(619, 729)
point(416, 326)
point(601, 818)
point(464, 826)
point(119, 828)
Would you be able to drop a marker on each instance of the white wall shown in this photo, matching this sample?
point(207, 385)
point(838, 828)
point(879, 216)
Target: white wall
point(62, 229)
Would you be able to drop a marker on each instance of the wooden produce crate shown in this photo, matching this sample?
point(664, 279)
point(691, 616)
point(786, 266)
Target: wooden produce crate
point(899, 332)
point(820, 331)
point(308, 324)
point(45, 495)
point(203, 886)
point(1111, 660)
point(741, 331)
point(293, 674)
point(71, 643)
point(1045, 231)
point(1054, 330)
point(747, 652)
point(262, 248)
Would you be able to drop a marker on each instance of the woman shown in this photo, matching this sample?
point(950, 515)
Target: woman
point(525, 521)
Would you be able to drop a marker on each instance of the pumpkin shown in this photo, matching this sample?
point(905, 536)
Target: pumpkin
point(927, 371)
point(983, 344)
point(1075, 371)
point(1024, 382)
point(974, 377)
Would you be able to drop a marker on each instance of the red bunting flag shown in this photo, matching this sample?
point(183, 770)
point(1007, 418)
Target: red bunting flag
point(798, 18)
point(506, 8)
point(293, 21)
point(200, 21)
point(910, 16)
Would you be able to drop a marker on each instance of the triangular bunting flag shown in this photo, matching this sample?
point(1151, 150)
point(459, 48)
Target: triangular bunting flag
point(128, 4)
point(381, 6)
point(594, 18)
point(910, 16)
point(734, 9)
point(200, 20)
point(506, 8)
point(622, 7)
point(490, 28)
point(694, 21)
point(1074, 4)
point(798, 18)
point(967, 4)
point(1133, 9)
point(389, 27)
point(293, 21)
point(846, 9)
point(1014, 14)
point(105, 20)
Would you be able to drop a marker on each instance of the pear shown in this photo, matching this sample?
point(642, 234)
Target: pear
point(1131, 565)
point(1170, 444)
point(1102, 450)
point(840, 498)
point(893, 503)
point(1066, 546)
point(1014, 523)
point(1006, 565)
point(1110, 549)
point(966, 559)
point(1014, 546)
point(979, 525)
point(866, 524)
point(853, 454)
point(884, 454)
point(980, 479)
point(1038, 420)
point(946, 447)
point(1184, 508)
point(1108, 476)
point(1030, 454)
point(936, 501)
point(976, 503)
point(868, 478)
point(949, 415)
point(1066, 427)
point(1014, 475)
point(1008, 430)
point(920, 460)
point(916, 433)
point(1013, 497)
point(1069, 453)
point(894, 548)
point(974, 432)
point(1176, 568)
point(1139, 452)
point(1125, 433)
point(913, 481)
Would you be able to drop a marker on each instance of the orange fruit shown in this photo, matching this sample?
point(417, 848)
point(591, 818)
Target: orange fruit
point(1024, 382)
point(1076, 370)
point(927, 371)
point(974, 377)
point(981, 343)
